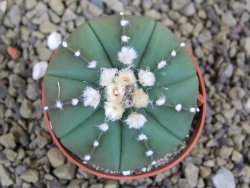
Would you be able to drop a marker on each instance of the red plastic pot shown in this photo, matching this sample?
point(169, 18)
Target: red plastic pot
point(194, 139)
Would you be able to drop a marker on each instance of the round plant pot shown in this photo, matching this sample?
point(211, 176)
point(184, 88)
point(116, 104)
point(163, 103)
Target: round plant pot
point(194, 137)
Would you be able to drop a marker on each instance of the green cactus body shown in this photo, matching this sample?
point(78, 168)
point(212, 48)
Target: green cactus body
point(162, 113)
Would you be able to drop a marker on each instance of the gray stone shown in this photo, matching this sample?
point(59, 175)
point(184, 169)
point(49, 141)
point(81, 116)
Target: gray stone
point(184, 183)
point(97, 185)
point(178, 4)
point(247, 46)
point(226, 70)
point(225, 152)
point(30, 4)
point(205, 171)
point(191, 173)
point(57, 6)
point(114, 5)
point(190, 9)
point(56, 158)
point(48, 27)
point(205, 36)
point(3, 8)
point(69, 15)
point(30, 175)
point(10, 154)
point(66, 171)
point(111, 184)
point(228, 19)
point(5, 177)
point(237, 157)
point(95, 10)
point(224, 178)
point(8, 140)
point(159, 177)
point(32, 91)
point(15, 15)
point(154, 14)
point(26, 109)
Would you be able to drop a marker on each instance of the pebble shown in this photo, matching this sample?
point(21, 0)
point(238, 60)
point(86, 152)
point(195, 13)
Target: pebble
point(114, 5)
point(225, 152)
point(224, 178)
point(8, 140)
point(69, 15)
point(32, 91)
point(247, 46)
point(26, 109)
point(48, 27)
point(15, 15)
point(184, 183)
point(10, 154)
point(97, 185)
point(54, 40)
point(3, 7)
point(57, 6)
point(30, 175)
point(30, 4)
point(39, 70)
point(5, 177)
point(190, 9)
point(228, 19)
point(191, 172)
point(56, 158)
point(66, 171)
point(237, 157)
point(95, 10)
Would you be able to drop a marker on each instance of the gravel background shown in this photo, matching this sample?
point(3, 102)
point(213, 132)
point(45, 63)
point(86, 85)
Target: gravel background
point(218, 32)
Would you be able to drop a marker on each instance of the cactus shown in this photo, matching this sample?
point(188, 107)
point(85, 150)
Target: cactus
point(121, 93)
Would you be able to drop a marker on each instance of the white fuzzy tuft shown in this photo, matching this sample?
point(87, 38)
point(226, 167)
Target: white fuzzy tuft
point(142, 137)
point(91, 97)
point(77, 53)
point(54, 40)
point(125, 38)
point(96, 143)
point(127, 55)
point(173, 53)
point(121, 13)
point(124, 22)
point(86, 157)
point(178, 107)
point(182, 44)
point(74, 102)
point(45, 108)
point(160, 101)
point(149, 153)
point(153, 163)
point(141, 99)
point(193, 110)
point(59, 104)
point(197, 109)
point(113, 109)
point(64, 44)
point(92, 64)
point(144, 169)
point(107, 76)
point(39, 70)
point(136, 120)
point(104, 127)
point(126, 173)
point(161, 64)
point(125, 78)
point(146, 78)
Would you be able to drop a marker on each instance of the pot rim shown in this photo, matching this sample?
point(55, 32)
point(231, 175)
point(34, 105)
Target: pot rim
point(172, 163)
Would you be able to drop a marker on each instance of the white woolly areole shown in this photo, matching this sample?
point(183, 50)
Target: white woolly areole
point(64, 44)
point(125, 78)
point(77, 53)
point(193, 110)
point(141, 99)
point(92, 64)
point(54, 40)
point(173, 53)
point(161, 64)
point(182, 44)
point(160, 101)
point(125, 38)
point(149, 153)
point(91, 97)
point(197, 109)
point(107, 76)
point(146, 78)
point(45, 108)
point(96, 143)
point(74, 102)
point(127, 55)
point(124, 22)
point(153, 163)
point(126, 173)
point(142, 137)
point(103, 127)
point(121, 13)
point(113, 109)
point(136, 120)
point(178, 107)
point(59, 104)
point(86, 157)
point(39, 70)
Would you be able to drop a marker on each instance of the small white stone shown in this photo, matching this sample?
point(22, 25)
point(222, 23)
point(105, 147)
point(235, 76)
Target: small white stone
point(59, 104)
point(64, 44)
point(153, 163)
point(182, 44)
point(149, 153)
point(125, 38)
point(124, 22)
point(161, 64)
point(92, 64)
point(173, 53)
point(96, 143)
point(54, 40)
point(77, 53)
point(39, 70)
point(192, 110)
point(46, 108)
point(74, 102)
point(178, 107)
point(144, 169)
point(160, 101)
point(86, 158)
point(142, 137)
point(126, 173)
point(104, 127)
